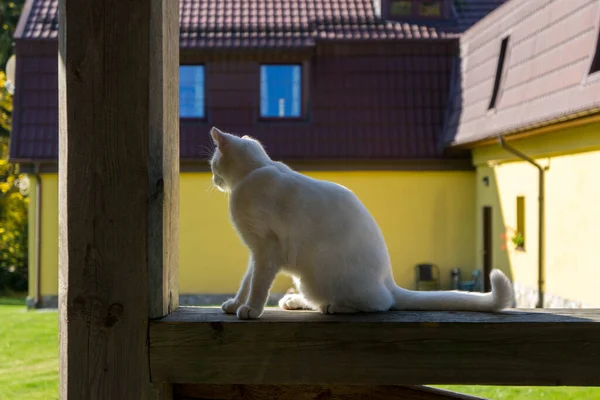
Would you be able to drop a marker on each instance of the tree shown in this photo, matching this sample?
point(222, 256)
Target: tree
point(13, 207)
point(13, 184)
point(6, 107)
point(10, 10)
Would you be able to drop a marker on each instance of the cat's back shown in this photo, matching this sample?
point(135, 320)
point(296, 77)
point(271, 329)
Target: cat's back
point(280, 188)
point(259, 190)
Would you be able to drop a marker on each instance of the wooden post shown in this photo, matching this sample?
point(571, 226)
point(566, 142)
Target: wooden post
point(118, 189)
point(163, 222)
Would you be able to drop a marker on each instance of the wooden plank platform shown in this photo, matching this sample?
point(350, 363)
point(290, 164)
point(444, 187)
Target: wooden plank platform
point(516, 347)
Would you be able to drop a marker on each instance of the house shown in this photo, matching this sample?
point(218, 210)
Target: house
point(353, 91)
point(531, 76)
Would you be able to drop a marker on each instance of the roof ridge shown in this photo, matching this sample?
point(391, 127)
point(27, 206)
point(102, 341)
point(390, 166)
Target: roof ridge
point(309, 17)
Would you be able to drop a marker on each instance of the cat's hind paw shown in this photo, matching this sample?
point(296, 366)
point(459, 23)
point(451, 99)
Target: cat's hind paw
point(293, 302)
point(336, 309)
point(247, 312)
point(230, 306)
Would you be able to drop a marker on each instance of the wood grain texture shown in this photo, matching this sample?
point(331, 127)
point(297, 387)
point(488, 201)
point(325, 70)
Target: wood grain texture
point(163, 168)
point(110, 149)
point(314, 392)
point(522, 347)
point(163, 159)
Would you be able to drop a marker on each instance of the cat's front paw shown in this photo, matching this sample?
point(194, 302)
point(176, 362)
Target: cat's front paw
point(247, 312)
point(230, 306)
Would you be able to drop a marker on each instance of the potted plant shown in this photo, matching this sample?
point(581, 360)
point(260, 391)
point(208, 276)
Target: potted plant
point(519, 241)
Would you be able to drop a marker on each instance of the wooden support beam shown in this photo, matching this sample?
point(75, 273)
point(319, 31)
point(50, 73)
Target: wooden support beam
point(118, 179)
point(314, 392)
point(163, 159)
point(523, 347)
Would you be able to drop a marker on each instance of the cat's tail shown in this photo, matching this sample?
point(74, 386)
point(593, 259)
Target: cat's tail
point(499, 298)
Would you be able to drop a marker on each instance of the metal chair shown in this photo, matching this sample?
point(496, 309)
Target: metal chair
point(427, 277)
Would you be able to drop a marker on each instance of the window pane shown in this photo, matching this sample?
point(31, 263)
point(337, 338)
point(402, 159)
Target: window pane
point(401, 8)
point(521, 218)
point(430, 8)
point(191, 91)
point(280, 91)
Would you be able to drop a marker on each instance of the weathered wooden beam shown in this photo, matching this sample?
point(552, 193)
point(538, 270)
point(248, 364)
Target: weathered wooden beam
point(522, 347)
point(163, 159)
point(163, 168)
point(314, 392)
point(118, 177)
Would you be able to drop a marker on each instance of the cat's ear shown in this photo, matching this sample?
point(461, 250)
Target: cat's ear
point(219, 138)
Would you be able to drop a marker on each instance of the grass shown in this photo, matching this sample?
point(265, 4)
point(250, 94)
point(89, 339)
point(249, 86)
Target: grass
point(28, 352)
point(29, 362)
point(528, 392)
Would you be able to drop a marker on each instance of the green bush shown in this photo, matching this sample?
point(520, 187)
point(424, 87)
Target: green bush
point(13, 208)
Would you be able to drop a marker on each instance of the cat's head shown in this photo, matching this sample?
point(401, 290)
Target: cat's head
point(234, 158)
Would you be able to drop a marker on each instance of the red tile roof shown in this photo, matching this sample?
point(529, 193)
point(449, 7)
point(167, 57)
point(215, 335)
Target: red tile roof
point(276, 23)
point(546, 73)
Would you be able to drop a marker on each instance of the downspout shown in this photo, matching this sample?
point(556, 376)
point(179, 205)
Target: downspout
point(38, 236)
point(541, 219)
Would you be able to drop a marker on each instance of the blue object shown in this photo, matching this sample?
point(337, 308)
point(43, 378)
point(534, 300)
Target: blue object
point(472, 285)
point(280, 91)
point(191, 91)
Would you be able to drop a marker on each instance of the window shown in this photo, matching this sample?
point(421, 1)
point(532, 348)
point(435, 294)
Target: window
point(401, 8)
point(430, 9)
point(520, 241)
point(596, 61)
point(418, 8)
point(280, 91)
point(499, 69)
point(191, 91)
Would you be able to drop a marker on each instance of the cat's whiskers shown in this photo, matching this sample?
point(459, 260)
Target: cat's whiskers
point(210, 188)
point(208, 150)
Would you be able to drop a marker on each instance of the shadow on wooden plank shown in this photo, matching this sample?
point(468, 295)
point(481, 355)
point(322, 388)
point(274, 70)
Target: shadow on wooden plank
point(314, 392)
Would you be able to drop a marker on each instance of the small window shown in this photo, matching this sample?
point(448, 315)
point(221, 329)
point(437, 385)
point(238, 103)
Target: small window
point(596, 61)
point(191, 91)
point(280, 91)
point(427, 9)
point(401, 8)
point(520, 233)
point(430, 9)
point(499, 69)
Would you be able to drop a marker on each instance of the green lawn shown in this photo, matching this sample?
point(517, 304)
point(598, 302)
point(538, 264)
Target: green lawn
point(29, 362)
point(518, 393)
point(28, 352)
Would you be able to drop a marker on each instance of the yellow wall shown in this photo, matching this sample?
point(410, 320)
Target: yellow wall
point(49, 237)
point(572, 210)
point(31, 235)
point(49, 254)
point(425, 217)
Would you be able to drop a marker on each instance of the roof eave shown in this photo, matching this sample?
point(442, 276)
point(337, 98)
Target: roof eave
point(23, 19)
point(551, 125)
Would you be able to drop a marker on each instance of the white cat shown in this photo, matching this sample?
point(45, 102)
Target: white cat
point(321, 234)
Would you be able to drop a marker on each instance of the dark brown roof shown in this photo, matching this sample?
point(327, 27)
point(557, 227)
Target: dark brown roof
point(470, 12)
point(547, 65)
point(387, 106)
point(276, 23)
point(384, 99)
